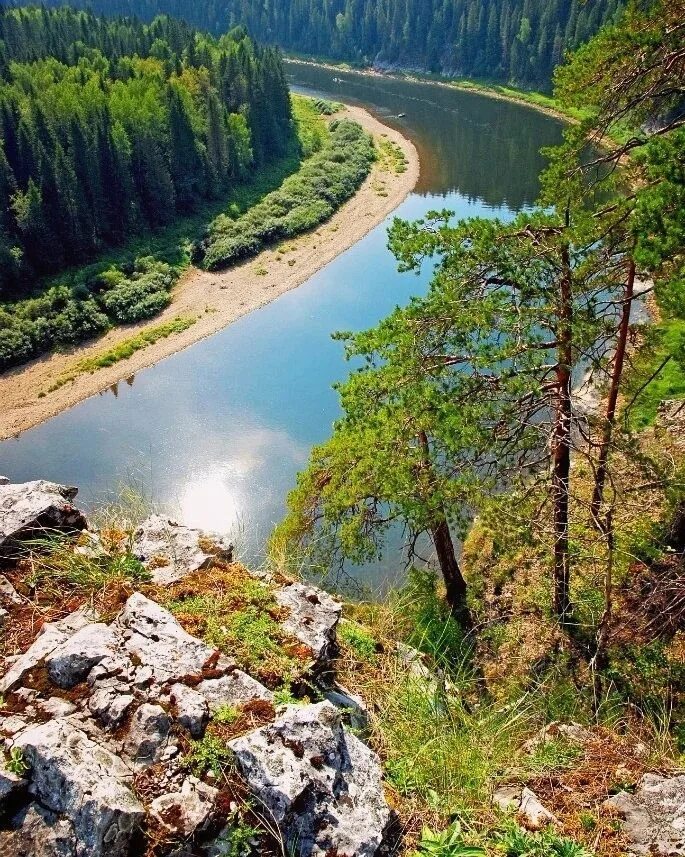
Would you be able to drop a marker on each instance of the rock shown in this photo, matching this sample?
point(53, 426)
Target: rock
point(313, 618)
point(320, 784)
point(37, 832)
point(236, 688)
point(158, 641)
point(11, 725)
point(192, 710)
point(72, 775)
point(170, 551)
point(8, 593)
point(353, 709)
point(147, 736)
point(654, 816)
point(534, 815)
point(77, 620)
point(47, 640)
point(10, 784)
point(56, 707)
point(110, 704)
point(187, 811)
point(71, 662)
point(574, 733)
point(32, 508)
point(4, 480)
point(4, 618)
point(507, 798)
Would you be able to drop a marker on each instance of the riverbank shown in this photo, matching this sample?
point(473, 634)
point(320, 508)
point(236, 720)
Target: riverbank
point(213, 299)
point(536, 100)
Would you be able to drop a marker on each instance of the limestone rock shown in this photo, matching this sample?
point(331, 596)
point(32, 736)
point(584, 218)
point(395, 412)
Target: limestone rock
point(37, 832)
point(654, 816)
point(187, 811)
point(235, 688)
point(574, 733)
point(170, 551)
point(4, 618)
point(10, 784)
point(72, 775)
point(56, 707)
point(71, 662)
point(313, 617)
point(147, 737)
point(353, 708)
point(49, 639)
point(110, 704)
point(321, 785)
point(508, 798)
point(534, 815)
point(30, 508)
point(8, 593)
point(192, 711)
point(158, 641)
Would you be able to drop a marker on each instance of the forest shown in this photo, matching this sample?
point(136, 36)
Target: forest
point(517, 41)
point(110, 127)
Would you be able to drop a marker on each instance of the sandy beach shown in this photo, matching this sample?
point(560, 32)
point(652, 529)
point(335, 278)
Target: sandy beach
point(215, 298)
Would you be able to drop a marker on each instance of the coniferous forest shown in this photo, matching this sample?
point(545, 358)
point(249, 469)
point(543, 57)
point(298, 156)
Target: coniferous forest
point(110, 126)
point(518, 41)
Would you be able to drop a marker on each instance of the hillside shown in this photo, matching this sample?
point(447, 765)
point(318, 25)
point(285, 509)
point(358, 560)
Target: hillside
point(514, 41)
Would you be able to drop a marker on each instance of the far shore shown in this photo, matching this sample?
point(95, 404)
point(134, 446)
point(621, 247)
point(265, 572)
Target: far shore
point(215, 298)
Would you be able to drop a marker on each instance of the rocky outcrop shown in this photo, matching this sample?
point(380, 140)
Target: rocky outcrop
point(33, 509)
point(85, 782)
point(654, 816)
point(320, 784)
point(187, 811)
point(170, 551)
point(36, 832)
point(312, 619)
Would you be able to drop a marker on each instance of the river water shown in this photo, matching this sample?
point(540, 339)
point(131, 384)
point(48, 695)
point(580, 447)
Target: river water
point(216, 434)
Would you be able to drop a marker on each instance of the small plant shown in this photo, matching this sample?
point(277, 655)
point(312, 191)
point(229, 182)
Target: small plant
point(284, 696)
point(358, 639)
point(449, 843)
point(516, 842)
point(226, 714)
point(209, 754)
point(237, 840)
point(16, 763)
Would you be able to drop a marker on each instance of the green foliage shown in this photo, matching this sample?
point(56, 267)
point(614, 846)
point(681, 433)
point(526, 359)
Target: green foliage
point(56, 563)
point(226, 714)
point(113, 127)
point(357, 638)
point(516, 842)
point(326, 180)
point(237, 840)
point(449, 843)
point(16, 763)
point(503, 40)
point(209, 754)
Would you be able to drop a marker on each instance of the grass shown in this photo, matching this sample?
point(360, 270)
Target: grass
point(652, 379)
point(237, 614)
point(391, 157)
point(123, 350)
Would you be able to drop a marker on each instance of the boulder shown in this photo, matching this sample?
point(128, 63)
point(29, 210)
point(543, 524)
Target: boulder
point(71, 662)
point(185, 812)
point(37, 832)
point(192, 710)
point(30, 509)
point(148, 735)
point(110, 705)
point(320, 784)
point(72, 775)
point(235, 688)
point(157, 640)
point(4, 618)
point(654, 816)
point(313, 617)
point(533, 814)
point(353, 708)
point(170, 551)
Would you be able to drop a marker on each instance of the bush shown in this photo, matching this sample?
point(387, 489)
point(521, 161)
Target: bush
point(304, 200)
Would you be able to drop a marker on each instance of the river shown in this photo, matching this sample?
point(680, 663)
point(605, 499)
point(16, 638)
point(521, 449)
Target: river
point(216, 434)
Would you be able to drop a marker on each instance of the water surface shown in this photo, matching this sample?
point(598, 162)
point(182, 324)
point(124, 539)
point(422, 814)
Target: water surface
point(216, 433)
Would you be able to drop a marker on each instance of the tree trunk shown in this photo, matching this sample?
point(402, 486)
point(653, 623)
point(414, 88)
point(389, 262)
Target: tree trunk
point(455, 585)
point(616, 375)
point(561, 446)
